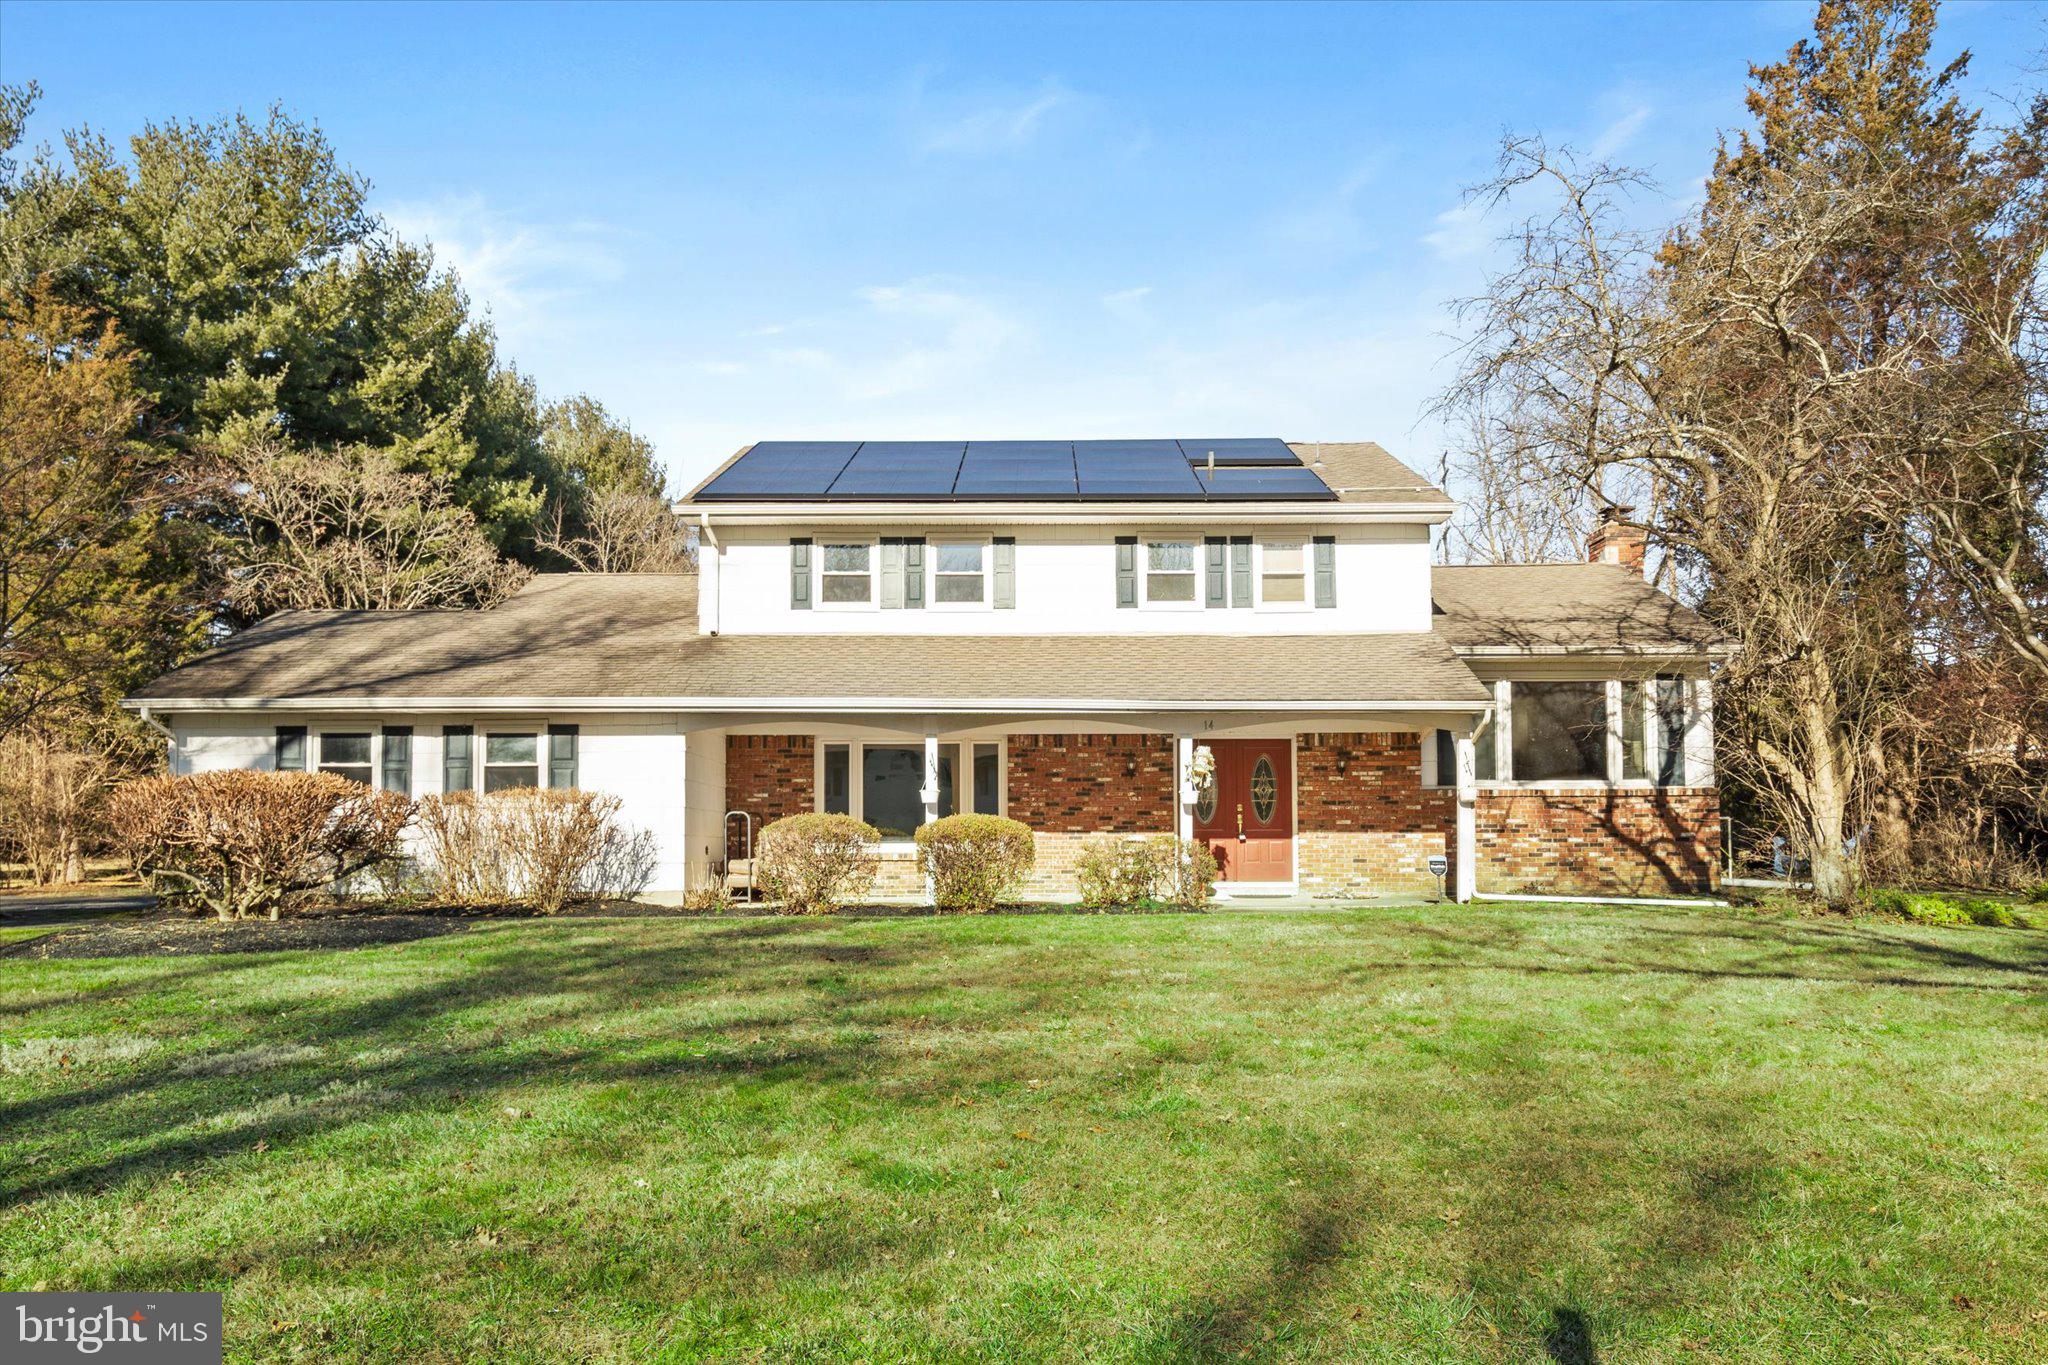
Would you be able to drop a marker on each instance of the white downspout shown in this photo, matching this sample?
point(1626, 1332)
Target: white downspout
point(707, 575)
point(170, 738)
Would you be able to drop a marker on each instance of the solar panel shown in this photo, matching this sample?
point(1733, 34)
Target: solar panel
point(783, 469)
point(1240, 450)
point(1017, 469)
point(1134, 469)
point(1238, 483)
point(900, 469)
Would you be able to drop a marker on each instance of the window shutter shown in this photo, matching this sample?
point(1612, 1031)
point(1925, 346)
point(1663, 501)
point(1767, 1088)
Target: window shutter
point(562, 756)
point(892, 572)
point(291, 749)
point(913, 573)
point(1326, 571)
point(456, 745)
point(1240, 571)
point(1217, 549)
point(1005, 555)
point(1127, 571)
point(1671, 725)
point(398, 759)
point(800, 574)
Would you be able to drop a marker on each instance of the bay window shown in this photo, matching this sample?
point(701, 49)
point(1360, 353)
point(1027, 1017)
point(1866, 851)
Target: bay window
point(1560, 732)
point(883, 784)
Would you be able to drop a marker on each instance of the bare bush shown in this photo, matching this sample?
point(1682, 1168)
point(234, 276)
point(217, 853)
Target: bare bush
point(243, 843)
point(817, 863)
point(534, 846)
point(51, 798)
point(1157, 868)
point(974, 861)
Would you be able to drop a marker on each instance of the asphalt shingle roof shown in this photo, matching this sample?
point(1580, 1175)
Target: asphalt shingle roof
point(1572, 607)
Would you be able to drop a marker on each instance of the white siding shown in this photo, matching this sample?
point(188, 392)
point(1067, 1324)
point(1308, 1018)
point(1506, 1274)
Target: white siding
point(641, 761)
point(1066, 584)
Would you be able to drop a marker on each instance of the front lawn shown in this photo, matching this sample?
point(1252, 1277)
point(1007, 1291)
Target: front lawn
point(1499, 1133)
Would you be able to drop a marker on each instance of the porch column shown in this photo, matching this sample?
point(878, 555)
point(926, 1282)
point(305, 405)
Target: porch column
point(1468, 819)
point(930, 792)
point(1183, 774)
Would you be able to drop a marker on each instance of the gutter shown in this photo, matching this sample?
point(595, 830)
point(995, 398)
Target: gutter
point(849, 705)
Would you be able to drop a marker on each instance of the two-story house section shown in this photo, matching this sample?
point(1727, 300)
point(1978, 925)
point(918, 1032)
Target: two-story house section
point(1063, 632)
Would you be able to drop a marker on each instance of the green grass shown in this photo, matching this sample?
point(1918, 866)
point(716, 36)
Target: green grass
point(1499, 1134)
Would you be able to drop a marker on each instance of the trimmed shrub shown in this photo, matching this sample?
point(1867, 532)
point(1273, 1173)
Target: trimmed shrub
point(243, 843)
point(542, 847)
point(816, 863)
point(974, 861)
point(1156, 870)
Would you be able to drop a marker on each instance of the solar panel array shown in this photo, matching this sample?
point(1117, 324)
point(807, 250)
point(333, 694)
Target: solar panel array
point(1235, 469)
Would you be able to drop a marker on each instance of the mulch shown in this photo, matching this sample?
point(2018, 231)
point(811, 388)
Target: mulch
point(171, 933)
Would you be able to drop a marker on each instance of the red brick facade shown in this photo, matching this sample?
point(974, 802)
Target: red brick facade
point(1365, 824)
point(1622, 842)
point(767, 776)
point(1093, 784)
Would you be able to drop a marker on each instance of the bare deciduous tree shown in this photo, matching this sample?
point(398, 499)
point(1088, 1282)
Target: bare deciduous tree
point(347, 529)
point(622, 530)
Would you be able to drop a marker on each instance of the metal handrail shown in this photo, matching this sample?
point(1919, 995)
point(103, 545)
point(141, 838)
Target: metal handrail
point(746, 843)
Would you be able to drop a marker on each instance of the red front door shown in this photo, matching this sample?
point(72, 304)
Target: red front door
point(1247, 820)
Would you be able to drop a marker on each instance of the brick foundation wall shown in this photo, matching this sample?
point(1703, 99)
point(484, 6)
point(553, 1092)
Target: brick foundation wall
point(767, 776)
point(1598, 842)
point(1365, 824)
point(1073, 788)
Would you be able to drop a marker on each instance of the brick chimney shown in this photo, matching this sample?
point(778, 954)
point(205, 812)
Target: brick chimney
point(1615, 540)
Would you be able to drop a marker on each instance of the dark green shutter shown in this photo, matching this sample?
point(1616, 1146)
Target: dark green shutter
point(1127, 571)
point(1240, 571)
point(1671, 721)
point(1326, 571)
point(562, 756)
point(800, 574)
point(456, 745)
point(1217, 554)
point(398, 759)
point(291, 749)
point(913, 573)
point(1005, 554)
point(892, 573)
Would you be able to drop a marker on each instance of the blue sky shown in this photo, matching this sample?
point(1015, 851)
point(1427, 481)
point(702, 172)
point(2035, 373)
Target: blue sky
point(786, 221)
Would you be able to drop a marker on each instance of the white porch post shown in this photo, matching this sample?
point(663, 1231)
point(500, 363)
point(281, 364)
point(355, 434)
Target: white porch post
point(1468, 820)
point(1183, 775)
point(930, 795)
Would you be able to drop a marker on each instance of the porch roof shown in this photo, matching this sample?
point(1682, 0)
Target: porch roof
point(619, 638)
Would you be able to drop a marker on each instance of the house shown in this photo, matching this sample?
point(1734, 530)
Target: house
point(1055, 631)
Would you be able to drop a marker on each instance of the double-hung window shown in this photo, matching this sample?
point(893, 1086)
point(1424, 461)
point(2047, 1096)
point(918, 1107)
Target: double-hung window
point(1170, 572)
point(346, 755)
point(846, 574)
point(511, 760)
point(884, 784)
point(1283, 574)
point(960, 574)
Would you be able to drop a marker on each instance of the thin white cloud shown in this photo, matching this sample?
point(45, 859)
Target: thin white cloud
point(1335, 221)
point(913, 338)
point(986, 123)
point(1621, 131)
point(521, 272)
point(1461, 233)
point(1128, 305)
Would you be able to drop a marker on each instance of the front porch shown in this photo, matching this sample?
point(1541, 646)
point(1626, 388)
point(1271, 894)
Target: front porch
point(1312, 813)
point(1356, 807)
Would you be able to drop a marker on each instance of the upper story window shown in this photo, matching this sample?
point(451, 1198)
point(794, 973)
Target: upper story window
point(1283, 574)
point(847, 573)
point(1170, 572)
point(960, 574)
